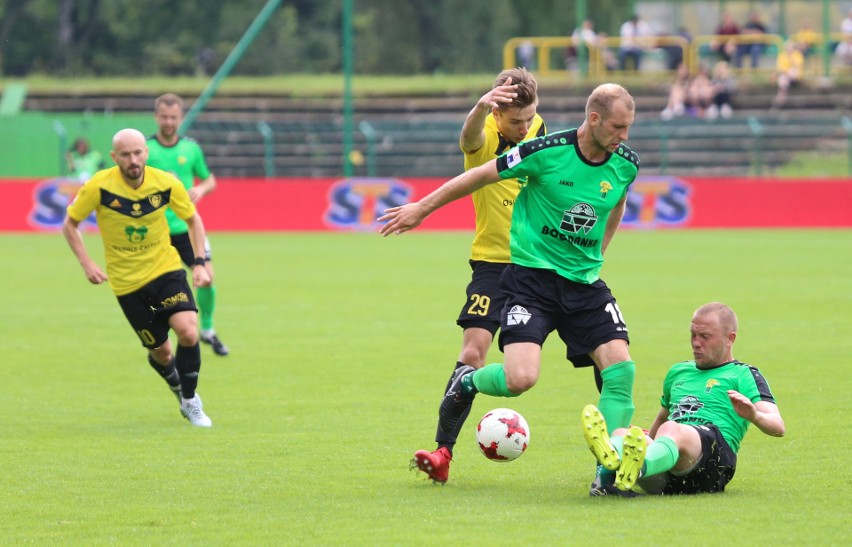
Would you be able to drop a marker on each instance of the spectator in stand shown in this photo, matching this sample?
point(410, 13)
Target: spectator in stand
point(807, 38)
point(699, 95)
point(583, 36)
point(609, 58)
point(633, 32)
point(724, 85)
point(754, 27)
point(526, 54)
point(789, 70)
point(843, 51)
point(676, 106)
point(726, 48)
point(83, 162)
point(846, 24)
point(674, 53)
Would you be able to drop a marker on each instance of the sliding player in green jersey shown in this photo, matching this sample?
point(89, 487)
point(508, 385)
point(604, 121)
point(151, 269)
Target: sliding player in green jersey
point(563, 220)
point(501, 118)
point(143, 269)
point(707, 406)
point(184, 158)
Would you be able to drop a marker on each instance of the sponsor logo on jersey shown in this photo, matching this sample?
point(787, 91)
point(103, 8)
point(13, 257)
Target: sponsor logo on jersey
point(518, 315)
point(135, 234)
point(686, 407)
point(174, 300)
point(579, 218)
point(513, 158)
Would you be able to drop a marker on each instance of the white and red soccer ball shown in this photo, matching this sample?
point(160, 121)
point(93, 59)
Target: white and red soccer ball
point(503, 435)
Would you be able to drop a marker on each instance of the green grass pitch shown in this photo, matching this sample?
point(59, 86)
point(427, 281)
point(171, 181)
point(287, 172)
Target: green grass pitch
point(341, 345)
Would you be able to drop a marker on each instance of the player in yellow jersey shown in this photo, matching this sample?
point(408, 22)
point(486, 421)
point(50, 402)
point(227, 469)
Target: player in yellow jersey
point(142, 268)
point(501, 118)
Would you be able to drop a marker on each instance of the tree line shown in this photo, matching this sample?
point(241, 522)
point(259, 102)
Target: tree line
point(81, 38)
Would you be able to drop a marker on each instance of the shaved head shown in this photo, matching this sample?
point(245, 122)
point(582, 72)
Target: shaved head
point(130, 152)
point(727, 317)
point(128, 136)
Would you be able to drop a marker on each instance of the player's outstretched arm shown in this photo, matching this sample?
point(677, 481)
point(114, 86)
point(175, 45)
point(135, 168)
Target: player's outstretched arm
point(473, 131)
point(407, 217)
point(763, 414)
point(93, 272)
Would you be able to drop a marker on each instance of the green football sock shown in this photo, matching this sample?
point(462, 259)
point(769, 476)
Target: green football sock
point(491, 380)
point(662, 455)
point(206, 304)
point(616, 401)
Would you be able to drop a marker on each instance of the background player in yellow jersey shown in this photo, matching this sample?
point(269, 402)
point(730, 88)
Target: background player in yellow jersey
point(499, 120)
point(142, 268)
point(183, 157)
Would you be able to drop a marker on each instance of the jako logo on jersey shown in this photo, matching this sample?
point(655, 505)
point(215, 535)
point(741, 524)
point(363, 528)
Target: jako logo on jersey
point(657, 200)
point(580, 217)
point(356, 203)
point(518, 315)
point(513, 158)
point(50, 199)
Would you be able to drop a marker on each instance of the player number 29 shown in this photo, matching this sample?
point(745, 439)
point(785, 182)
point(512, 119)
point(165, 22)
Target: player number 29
point(479, 304)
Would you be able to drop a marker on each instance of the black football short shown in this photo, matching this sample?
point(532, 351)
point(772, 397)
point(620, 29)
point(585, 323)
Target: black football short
point(541, 301)
point(182, 243)
point(715, 470)
point(148, 309)
point(485, 299)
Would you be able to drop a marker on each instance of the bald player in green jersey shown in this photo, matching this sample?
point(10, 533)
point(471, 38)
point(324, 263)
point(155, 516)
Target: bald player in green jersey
point(706, 408)
point(142, 268)
point(501, 118)
point(183, 157)
point(563, 220)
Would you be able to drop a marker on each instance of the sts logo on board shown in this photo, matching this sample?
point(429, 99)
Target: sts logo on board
point(657, 202)
point(356, 203)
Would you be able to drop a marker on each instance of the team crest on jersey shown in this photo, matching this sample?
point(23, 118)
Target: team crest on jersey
point(518, 315)
point(710, 384)
point(155, 200)
point(513, 158)
point(581, 217)
point(605, 188)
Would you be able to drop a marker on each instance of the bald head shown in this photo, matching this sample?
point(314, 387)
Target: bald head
point(130, 152)
point(605, 96)
point(128, 136)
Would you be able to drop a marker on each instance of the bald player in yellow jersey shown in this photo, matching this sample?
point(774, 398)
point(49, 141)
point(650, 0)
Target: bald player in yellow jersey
point(502, 118)
point(142, 268)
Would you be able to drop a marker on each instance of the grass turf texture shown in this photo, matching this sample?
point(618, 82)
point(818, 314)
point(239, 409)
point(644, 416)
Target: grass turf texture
point(341, 346)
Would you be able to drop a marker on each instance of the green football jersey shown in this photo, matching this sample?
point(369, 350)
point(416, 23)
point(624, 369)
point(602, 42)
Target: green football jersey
point(559, 218)
point(185, 160)
point(697, 396)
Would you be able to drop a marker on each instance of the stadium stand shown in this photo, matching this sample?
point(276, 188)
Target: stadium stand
point(416, 136)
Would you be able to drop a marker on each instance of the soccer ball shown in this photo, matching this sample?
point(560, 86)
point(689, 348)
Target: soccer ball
point(503, 435)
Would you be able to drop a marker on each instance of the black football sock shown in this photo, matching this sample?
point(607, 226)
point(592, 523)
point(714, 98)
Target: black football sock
point(167, 372)
point(188, 363)
point(448, 440)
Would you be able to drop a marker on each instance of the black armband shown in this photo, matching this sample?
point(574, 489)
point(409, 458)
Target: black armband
point(199, 261)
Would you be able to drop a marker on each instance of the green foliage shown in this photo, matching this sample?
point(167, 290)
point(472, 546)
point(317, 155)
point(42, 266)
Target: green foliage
point(341, 345)
point(128, 37)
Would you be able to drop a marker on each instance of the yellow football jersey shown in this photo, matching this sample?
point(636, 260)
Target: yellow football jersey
point(135, 234)
point(493, 203)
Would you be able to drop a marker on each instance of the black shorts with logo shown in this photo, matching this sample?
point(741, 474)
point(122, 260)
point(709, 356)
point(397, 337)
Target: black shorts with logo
point(715, 470)
point(183, 244)
point(148, 309)
point(541, 301)
point(485, 299)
